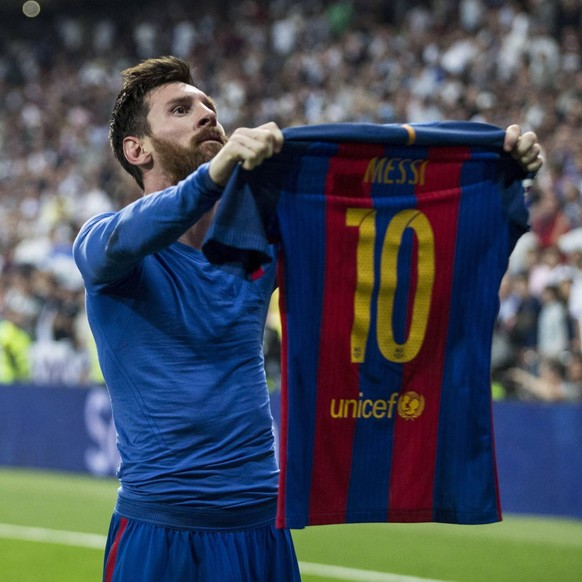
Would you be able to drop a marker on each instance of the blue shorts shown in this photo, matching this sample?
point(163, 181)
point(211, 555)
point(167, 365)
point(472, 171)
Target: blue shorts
point(146, 551)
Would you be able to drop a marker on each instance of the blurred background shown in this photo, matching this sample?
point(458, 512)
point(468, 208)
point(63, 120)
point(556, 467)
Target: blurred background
point(294, 63)
point(308, 62)
point(317, 61)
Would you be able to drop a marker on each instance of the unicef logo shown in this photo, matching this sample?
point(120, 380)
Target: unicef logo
point(410, 405)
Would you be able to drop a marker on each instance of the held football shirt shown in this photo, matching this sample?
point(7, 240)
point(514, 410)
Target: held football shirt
point(393, 241)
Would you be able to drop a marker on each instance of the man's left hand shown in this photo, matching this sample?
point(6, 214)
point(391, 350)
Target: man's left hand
point(524, 148)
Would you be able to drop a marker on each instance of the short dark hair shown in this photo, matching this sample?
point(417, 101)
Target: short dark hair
point(129, 115)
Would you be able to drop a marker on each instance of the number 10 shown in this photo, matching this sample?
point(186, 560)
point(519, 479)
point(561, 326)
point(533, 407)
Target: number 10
point(365, 220)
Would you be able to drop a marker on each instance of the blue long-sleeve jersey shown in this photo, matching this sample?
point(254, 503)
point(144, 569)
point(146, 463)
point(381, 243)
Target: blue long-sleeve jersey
point(180, 346)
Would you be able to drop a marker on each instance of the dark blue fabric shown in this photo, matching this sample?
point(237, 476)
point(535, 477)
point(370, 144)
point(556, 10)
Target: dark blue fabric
point(180, 346)
point(240, 234)
point(148, 553)
point(444, 133)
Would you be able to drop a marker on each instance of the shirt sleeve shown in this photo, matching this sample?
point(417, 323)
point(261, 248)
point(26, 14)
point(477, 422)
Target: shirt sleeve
point(244, 227)
point(111, 245)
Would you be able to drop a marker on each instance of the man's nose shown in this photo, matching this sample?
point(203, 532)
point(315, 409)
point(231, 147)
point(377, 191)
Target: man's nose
point(206, 118)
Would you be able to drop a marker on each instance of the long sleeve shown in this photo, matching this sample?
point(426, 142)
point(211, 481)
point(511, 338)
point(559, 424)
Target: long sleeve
point(110, 245)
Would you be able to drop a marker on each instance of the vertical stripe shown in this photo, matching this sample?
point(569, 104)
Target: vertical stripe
point(338, 377)
point(284, 410)
point(301, 215)
point(380, 378)
point(415, 439)
point(412, 287)
point(466, 484)
point(112, 555)
point(494, 477)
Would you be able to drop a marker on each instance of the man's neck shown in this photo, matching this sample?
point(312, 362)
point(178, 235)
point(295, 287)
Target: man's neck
point(194, 236)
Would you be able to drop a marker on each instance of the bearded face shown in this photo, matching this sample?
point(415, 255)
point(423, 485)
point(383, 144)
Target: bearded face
point(180, 161)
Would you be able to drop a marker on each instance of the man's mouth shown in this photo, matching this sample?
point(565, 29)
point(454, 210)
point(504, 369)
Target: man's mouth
point(210, 137)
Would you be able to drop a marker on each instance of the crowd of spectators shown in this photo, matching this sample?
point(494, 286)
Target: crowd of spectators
point(294, 63)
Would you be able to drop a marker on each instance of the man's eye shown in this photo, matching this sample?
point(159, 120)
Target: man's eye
point(180, 110)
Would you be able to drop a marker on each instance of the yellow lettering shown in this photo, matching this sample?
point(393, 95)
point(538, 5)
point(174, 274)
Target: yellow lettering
point(422, 172)
point(360, 406)
point(379, 409)
point(374, 170)
point(365, 220)
point(414, 171)
point(387, 344)
point(354, 406)
point(334, 413)
point(366, 405)
point(364, 408)
point(393, 400)
point(389, 167)
point(402, 168)
point(396, 171)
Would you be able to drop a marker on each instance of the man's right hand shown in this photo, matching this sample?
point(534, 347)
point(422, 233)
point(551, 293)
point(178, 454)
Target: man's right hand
point(248, 146)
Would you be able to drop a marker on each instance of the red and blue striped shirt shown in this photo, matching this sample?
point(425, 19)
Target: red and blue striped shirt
point(392, 242)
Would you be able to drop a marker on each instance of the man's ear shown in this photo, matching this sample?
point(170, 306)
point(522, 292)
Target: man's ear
point(136, 152)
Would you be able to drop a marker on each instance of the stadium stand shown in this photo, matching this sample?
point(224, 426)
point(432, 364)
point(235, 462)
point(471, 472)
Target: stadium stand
point(294, 63)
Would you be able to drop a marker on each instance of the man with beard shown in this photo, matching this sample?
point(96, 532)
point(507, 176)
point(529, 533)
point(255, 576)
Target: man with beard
point(180, 345)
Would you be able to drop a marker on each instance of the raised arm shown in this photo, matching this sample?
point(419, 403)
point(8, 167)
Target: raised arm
point(109, 246)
